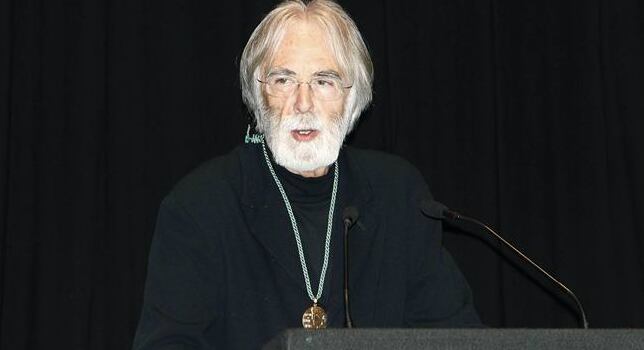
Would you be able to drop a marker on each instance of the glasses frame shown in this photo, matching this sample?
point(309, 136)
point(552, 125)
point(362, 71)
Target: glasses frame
point(299, 82)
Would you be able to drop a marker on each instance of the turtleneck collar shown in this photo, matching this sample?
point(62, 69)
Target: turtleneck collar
point(302, 189)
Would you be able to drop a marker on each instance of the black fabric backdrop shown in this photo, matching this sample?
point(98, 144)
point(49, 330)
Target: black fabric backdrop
point(525, 114)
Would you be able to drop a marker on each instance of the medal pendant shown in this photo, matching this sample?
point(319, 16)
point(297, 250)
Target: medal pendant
point(314, 317)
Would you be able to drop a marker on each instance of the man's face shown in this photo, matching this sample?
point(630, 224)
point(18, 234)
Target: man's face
point(304, 131)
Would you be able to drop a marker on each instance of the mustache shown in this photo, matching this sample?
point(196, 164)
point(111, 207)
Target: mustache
point(301, 122)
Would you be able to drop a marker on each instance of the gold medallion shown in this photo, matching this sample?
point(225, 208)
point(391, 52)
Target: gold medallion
point(314, 317)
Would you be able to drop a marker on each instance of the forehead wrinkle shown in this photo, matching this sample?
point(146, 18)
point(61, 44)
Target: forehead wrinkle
point(304, 37)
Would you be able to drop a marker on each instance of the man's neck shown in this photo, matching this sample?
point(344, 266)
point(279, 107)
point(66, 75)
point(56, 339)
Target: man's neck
point(321, 171)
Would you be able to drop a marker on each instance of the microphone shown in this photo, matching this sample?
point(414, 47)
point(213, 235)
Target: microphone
point(350, 216)
point(439, 211)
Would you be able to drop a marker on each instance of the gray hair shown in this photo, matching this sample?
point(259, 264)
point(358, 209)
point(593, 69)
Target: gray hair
point(346, 43)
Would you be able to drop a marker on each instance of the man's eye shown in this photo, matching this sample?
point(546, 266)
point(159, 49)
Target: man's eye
point(325, 82)
point(281, 81)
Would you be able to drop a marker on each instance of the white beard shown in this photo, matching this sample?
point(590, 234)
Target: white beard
point(300, 156)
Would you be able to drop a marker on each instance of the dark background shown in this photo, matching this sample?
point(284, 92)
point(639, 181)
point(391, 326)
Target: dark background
point(525, 114)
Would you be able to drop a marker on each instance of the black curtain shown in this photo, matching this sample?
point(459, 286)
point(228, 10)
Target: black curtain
point(525, 114)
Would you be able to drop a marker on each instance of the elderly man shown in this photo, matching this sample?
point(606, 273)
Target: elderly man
point(251, 243)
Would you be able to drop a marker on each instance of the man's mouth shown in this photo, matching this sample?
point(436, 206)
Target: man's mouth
point(304, 135)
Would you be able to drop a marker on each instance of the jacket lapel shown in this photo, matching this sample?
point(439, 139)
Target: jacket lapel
point(365, 242)
point(266, 215)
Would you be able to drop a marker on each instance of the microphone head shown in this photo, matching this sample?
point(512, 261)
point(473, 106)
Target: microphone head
point(350, 215)
point(433, 209)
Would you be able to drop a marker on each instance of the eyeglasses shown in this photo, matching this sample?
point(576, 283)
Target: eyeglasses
point(323, 88)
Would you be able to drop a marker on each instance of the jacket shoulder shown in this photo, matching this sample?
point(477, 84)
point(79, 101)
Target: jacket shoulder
point(211, 179)
point(382, 167)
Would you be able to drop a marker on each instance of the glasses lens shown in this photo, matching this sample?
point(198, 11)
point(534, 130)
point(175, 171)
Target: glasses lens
point(281, 85)
point(326, 88)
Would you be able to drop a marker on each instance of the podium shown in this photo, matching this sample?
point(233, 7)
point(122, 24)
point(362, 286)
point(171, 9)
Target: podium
point(454, 339)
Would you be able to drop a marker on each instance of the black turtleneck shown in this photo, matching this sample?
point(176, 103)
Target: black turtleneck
point(310, 198)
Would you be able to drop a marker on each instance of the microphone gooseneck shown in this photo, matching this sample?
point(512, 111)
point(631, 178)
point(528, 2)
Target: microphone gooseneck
point(439, 211)
point(350, 216)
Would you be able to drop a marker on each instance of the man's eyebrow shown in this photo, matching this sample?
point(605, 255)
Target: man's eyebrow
point(281, 71)
point(327, 73)
point(285, 71)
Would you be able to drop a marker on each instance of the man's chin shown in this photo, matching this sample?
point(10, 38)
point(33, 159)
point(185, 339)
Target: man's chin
point(302, 161)
point(304, 149)
point(303, 156)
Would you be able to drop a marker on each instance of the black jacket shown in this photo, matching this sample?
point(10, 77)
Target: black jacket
point(224, 271)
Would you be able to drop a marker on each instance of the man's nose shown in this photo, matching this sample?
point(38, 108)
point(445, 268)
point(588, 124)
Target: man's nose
point(303, 98)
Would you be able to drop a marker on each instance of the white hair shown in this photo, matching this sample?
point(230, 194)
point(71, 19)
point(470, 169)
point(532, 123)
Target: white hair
point(345, 40)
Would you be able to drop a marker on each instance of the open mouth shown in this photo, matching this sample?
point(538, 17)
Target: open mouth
point(304, 134)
